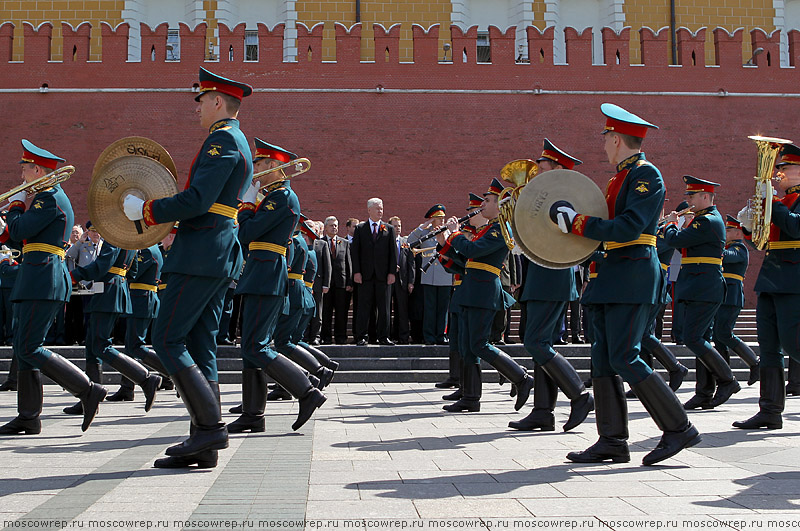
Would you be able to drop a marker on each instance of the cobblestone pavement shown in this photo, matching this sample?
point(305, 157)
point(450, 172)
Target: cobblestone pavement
point(387, 456)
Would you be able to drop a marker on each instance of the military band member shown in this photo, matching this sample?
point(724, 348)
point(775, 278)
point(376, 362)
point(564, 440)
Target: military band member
point(185, 331)
point(266, 229)
point(111, 268)
point(778, 306)
point(628, 284)
point(546, 294)
point(483, 296)
point(701, 288)
point(9, 268)
point(735, 259)
point(41, 290)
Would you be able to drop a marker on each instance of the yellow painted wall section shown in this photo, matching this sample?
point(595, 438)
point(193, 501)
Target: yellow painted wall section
point(311, 13)
point(55, 12)
point(426, 13)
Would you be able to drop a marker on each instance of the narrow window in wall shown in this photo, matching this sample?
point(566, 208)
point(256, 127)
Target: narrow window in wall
point(173, 45)
point(251, 45)
point(484, 49)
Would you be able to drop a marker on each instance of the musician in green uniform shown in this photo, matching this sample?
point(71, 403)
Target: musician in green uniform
point(42, 288)
point(546, 294)
point(628, 284)
point(735, 259)
point(204, 259)
point(483, 297)
point(778, 306)
point(701, 288)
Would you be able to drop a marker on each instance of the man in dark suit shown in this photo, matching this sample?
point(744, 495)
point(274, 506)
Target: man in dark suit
point(337, 300)
point(322, 283)
point(403, 286)
point(374, 255)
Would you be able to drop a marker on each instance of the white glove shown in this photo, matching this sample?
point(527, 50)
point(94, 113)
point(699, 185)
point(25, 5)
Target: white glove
point(745, 217)
point(251, 194)
point(132, 206)
point(764, 190)
point(2, 225)
point(19, 196)
point(565, 218)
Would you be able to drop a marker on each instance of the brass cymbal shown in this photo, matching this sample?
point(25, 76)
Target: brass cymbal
point(540, 239)
point(135, 145)
point(141, 176)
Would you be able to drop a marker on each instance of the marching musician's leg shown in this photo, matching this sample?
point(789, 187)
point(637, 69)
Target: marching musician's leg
point(651, 343)
point(793, 385)
point(454, 361)
point(724, 322)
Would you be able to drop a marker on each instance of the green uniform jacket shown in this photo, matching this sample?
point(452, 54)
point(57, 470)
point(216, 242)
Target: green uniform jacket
point(297, 265)
point(631, 274)
point(308, 276)
point(271, 222)
point(42, 275)
point(206, 244)
point(480, 288)
point(544, 284)
point(781, 267)
point(703, 238)
point(116, 297)
point(453, 264)
point(144, 303)
point(665, 254)
point(735, 259)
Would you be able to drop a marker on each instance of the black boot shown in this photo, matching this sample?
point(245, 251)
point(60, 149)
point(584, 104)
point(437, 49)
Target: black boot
point(279, 393)
point(306, 360)
point(254, 399)
point(749, 357)
point(793, 387)
point(95, 373)
point(677, 371)
point(545, 393)
point(204, 459)
point(770, 403)
point(29, 405)
point(703, 389)
point(200, 400)
point(567, 379)
point(78, 384)
point(124, 393)
point(11, 382)
point(514, 373)
point(611, 417)
point(727, 385)
point(665, 408)
point(289, 376)
point(471, 390)
point(138, 374)
point(322, 358)
point(454, 368)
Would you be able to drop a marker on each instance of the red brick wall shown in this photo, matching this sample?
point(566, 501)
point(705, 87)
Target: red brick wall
point(412, 149)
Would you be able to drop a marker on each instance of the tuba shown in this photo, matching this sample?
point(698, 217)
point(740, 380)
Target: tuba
point(519, 172)
point(42, 183)
point(761, 202)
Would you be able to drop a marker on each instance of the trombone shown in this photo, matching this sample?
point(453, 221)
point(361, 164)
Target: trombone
point(42, 183)
point(424, 251)
point(301, 166)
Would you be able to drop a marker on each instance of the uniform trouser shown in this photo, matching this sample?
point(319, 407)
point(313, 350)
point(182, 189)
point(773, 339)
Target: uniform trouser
point(316, 317)
point(136, 336)
point(650, 341)
point(372, 295)
point(724, 321)
point(286, 328)
point(453, 332)
point(185, 331)
point(6, 317)
point(778, 323)
point(434, 324)
point(542, 327)
point(31, 320)
point(618, 330)
point(260, 314)
point(306, 316)
point(227, 314)
point(476, 324)
point(678, 318)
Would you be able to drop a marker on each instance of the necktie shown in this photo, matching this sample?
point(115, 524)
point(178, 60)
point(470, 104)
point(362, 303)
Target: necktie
point(333, 246)
point(374, 231)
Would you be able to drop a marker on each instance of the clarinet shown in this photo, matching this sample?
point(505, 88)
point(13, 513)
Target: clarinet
point(443, 228)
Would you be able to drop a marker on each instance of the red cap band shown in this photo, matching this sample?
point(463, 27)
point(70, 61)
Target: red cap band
point(230, 90)
point(625, 128)
point(27, 156)
point(265, 153)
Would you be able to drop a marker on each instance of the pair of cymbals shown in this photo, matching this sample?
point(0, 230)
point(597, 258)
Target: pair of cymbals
point(133, 165)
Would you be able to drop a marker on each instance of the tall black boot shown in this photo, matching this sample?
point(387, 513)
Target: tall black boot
point(11, 382)
point(471, 390)
point(770, 403)
point(611, 416)
point(254, 400)
point(322, 358)
point(793, 387)
point(138, 374)
point(288, 375)
point(703, 389)
point(151, 360)
point(124, 393)
point(665, 408)
point(95, 373)
point(727, 385)
point(567, 379)
point(749, 357)
point(677, 371)
point(514, 373)
point(77, 383)
point(210, 432)
point(457, 394)
point(454, 367)
point(545, 393)
point(306, 360)
point(29, 405)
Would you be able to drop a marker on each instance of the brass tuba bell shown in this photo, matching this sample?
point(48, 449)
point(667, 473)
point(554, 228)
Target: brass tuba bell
point(519, 173)
point(761, 202)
